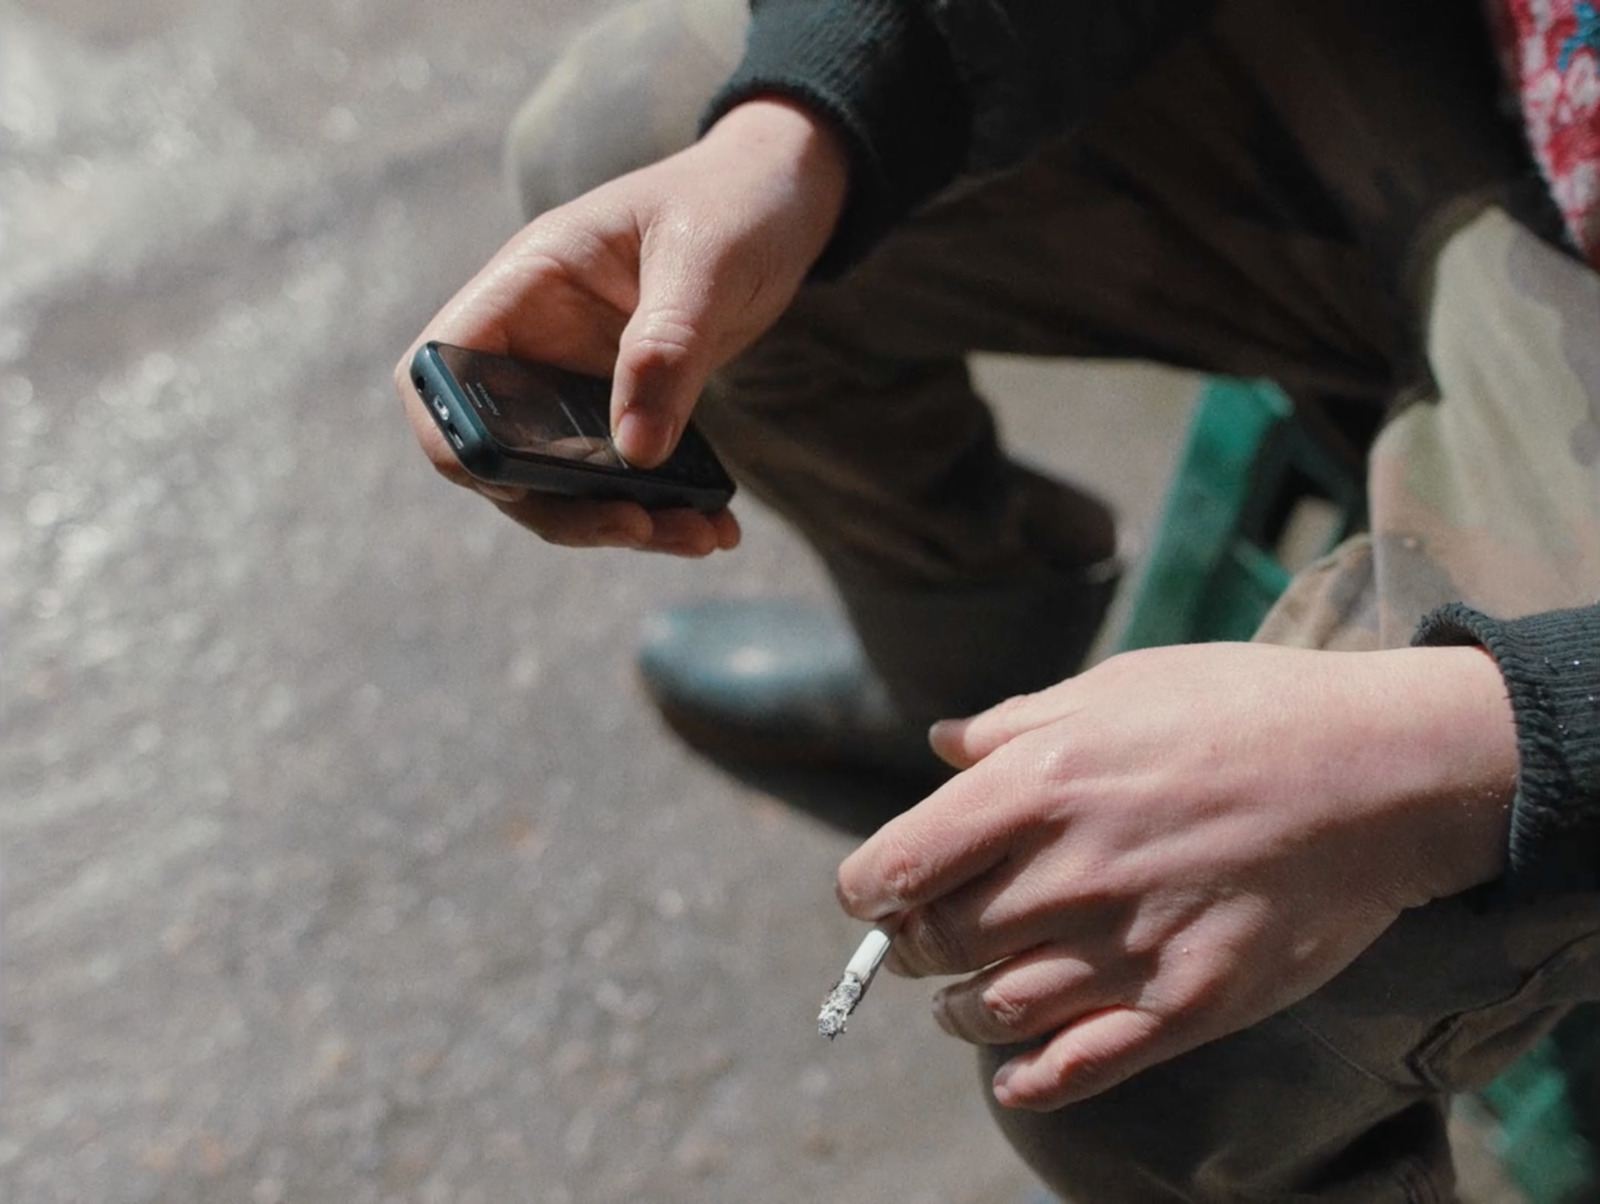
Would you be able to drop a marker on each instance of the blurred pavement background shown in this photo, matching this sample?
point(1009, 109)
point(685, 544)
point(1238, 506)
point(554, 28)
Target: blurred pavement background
point(342, 860)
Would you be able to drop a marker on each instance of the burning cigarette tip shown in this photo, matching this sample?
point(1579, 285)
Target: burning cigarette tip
point(850, 988)
point(840, 1003)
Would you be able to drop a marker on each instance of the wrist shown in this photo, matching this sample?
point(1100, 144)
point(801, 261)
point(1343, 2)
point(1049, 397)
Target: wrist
point(1453, 752)
point(788, 143)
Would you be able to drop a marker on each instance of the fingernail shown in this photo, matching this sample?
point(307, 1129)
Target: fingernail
point(881, 911)
point(944, 738)
point(642, 437)
point(1001, 1085)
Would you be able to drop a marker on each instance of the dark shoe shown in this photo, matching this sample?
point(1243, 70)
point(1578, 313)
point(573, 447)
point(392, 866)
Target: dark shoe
point(780, 695)
point(772, 682)
point(786, 694)
point(948, 653)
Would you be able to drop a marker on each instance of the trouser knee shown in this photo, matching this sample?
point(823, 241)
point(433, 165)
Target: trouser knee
point(628, 90)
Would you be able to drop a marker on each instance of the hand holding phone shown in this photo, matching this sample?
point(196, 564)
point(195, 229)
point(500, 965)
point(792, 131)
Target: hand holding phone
point(658, 277)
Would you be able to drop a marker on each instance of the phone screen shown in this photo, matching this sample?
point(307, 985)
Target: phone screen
point(535, 409)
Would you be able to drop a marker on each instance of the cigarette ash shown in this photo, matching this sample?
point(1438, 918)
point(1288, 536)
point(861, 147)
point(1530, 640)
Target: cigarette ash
point(840, 1003)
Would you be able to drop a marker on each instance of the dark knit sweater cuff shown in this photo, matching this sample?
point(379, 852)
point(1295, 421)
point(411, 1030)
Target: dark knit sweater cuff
point(1551, 666)
point(879, 71)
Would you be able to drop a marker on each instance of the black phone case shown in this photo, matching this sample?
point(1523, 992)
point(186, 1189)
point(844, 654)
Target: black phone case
point(691, 477)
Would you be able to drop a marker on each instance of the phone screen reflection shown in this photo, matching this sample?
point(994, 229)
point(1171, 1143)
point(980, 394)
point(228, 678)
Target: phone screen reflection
point(533, 409)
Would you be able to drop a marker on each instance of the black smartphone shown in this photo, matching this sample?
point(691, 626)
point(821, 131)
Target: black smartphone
point(517, 423)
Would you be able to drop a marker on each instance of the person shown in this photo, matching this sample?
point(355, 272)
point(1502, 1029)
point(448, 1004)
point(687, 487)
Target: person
point(1227, 921)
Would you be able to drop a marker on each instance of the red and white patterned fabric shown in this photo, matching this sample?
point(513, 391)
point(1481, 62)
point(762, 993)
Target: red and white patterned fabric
point(1551, 52)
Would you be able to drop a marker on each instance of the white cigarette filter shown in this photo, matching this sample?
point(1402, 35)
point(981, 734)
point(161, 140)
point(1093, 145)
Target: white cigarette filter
point(848, 992)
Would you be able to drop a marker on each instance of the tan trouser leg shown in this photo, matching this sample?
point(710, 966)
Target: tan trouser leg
point(628, 90)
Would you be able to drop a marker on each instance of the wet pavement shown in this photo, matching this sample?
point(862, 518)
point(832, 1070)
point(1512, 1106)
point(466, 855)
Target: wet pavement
point(342, 859)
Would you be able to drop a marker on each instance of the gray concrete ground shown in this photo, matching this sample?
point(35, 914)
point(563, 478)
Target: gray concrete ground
point(342, 859)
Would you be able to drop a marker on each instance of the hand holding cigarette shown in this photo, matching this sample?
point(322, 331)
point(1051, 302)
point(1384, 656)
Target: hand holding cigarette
point(1180, 842)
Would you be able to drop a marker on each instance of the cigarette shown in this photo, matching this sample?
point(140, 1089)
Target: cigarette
point(852, 987)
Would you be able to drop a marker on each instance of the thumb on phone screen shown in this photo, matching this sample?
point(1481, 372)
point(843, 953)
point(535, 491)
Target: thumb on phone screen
point(663, 359)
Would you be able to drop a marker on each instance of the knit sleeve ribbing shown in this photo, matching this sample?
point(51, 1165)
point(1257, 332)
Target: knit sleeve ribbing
point(925, 90)
point(881, 73)
point(1551, 666)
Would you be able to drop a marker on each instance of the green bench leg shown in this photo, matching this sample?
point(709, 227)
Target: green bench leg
point(1211, 572)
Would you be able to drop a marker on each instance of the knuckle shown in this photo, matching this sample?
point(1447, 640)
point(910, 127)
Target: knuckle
point(1087, 1068)
point(1006, 1012)
point(654, 352)
point(900, 866)
point(1129, 665)
point(1203, 995)
point(1055, 766)
point(1085, 1073)
point(669, 338)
